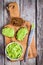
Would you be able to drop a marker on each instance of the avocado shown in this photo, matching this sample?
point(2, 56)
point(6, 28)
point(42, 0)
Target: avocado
point(21, 33)
point(14, 50)
point(9, 32)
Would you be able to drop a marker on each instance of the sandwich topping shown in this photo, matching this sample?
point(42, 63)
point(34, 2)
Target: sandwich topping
point(9, 32)
point(21, 33)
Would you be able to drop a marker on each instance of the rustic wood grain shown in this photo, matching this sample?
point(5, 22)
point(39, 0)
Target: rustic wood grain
point(39, 32)
point(39, 39)
point(1, 37)
point(24, 13)
point(28, 13)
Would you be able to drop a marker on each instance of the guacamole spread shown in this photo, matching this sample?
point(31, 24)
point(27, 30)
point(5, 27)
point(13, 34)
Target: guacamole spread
point(9, 32)
point(21, 33)
point(14, 50)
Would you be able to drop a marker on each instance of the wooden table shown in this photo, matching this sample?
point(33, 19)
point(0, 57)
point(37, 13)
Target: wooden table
point(27, 11)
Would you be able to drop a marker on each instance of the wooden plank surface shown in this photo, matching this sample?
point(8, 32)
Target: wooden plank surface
point(27, 14)
point(1, 37)
point(24, 10)
point(27, 11)
point(39, 32)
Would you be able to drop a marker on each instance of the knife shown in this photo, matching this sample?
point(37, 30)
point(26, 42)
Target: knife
point(29, 42)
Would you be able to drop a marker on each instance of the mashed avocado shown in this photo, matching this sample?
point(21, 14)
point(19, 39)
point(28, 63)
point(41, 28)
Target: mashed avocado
point(9, 32)
point(21, 33)
point(14, 50)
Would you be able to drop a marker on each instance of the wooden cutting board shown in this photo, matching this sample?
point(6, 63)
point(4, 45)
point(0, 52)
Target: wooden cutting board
point(32, 50)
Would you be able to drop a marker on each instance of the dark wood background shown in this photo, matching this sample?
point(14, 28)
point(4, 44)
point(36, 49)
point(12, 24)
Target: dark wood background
point(27, 11)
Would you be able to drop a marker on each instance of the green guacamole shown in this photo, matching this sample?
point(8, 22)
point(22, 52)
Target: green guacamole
point(21, 33)
point(9, 32)
point(13, 50)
